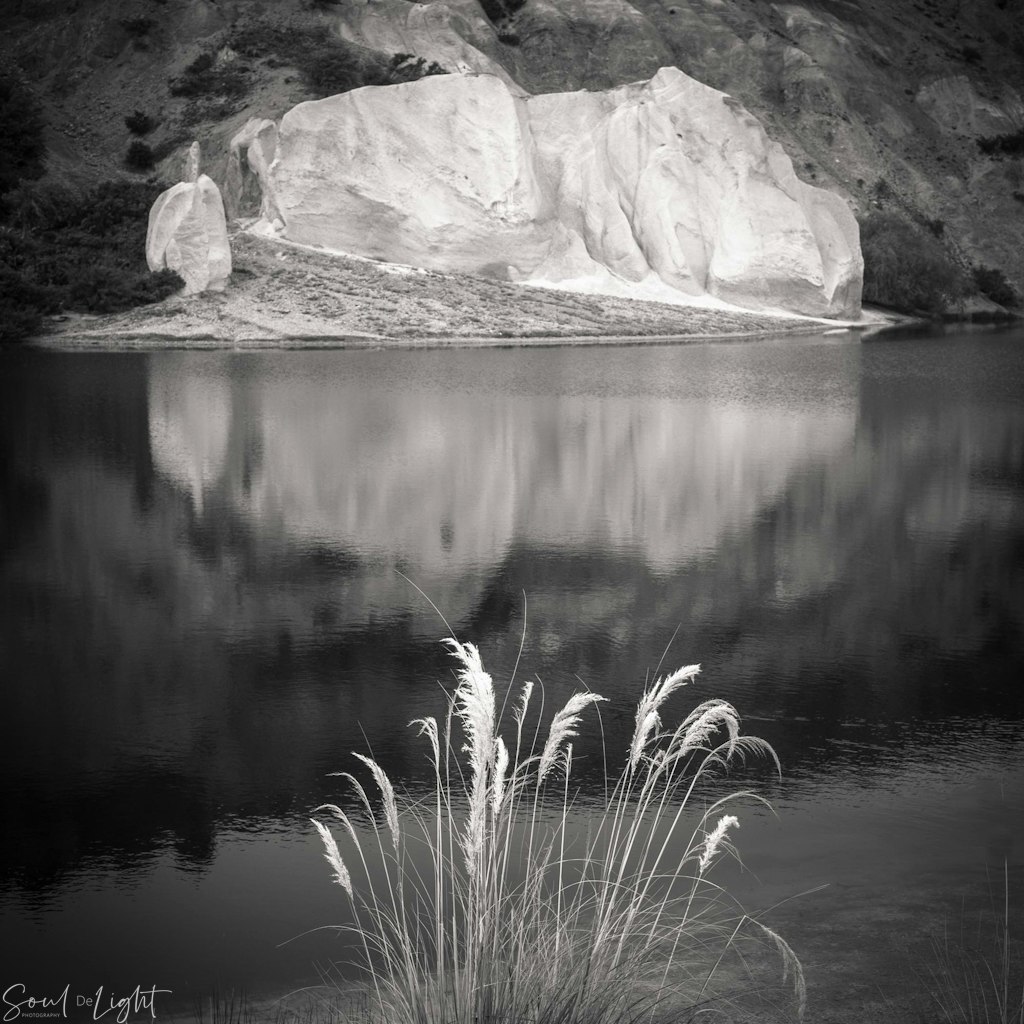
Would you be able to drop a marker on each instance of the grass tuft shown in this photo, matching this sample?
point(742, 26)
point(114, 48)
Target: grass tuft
point(487, 902)
point(979, 979)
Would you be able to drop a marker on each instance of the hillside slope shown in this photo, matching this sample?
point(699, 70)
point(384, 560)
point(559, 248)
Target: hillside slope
point(883, 103)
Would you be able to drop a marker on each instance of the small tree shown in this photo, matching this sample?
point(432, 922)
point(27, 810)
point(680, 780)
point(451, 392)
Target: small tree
point(992, 284)
point(906, 269)
point(139, 123)
point(139, 157)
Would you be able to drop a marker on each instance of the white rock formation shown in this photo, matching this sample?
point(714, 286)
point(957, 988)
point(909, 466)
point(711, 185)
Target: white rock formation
point(188, 231)
point(249, 156)
point(664, 187)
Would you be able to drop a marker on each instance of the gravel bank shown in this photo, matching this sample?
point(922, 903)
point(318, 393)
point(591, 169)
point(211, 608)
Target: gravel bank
point(287, 296)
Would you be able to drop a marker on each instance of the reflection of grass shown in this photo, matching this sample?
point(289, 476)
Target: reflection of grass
point(479, 905)
point(978, 979)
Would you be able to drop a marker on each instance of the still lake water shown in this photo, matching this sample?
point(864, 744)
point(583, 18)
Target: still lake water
point(205, 605)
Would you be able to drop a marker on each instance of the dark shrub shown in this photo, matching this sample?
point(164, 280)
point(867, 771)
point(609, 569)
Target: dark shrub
point(139, 157)
point(1011, 144)
point(206, 77)
point(499, 10)
point(139, 123)
point(137, 28)
point(992, 283)
point(36, 204)
point(881, 190)
point(22, 300)
point(85, 254)
point(21, 128)
point(333, 71)
point(906, 269)
point(327, 63)
point(404, 67)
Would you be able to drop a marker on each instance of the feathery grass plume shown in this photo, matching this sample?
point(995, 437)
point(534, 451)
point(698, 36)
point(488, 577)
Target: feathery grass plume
point(474, 705)
point(563, 727)
point(705, 720)
point(500, 900)
point(387, 792)
point(500, 767)
point(524, 702)
point(715, 838)
point(333, 857)
point(648, 717)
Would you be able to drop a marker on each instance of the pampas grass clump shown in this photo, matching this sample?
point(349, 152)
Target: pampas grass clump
point(482, 905)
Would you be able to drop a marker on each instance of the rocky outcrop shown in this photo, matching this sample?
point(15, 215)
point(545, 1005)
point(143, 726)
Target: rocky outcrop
point(188, 231)
point(665, 188)
point(455, 34)
point(954, 103)
point(249, 154)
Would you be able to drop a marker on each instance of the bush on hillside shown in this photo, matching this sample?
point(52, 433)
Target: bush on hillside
point(137, 28)
point(335, 70)
point(21, 128)
point(139, 123)
point(1010, 144)
point(139, 157)
point(208, 76)
point(906, 269)
point(60, 251)
point(328, 64)
point(992, 283)
point(33, 204)
point(406, 67)
point(498, 10)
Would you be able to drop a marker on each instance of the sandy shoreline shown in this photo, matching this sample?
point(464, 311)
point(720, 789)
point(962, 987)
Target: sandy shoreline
point(284, 296)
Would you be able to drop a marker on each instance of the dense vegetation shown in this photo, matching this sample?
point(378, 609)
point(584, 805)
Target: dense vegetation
point(60, 250)
point(328, 64)
point(1010, 144)
point(21, 128)
point(992, 283)
point(498, 10)
point(906, 269)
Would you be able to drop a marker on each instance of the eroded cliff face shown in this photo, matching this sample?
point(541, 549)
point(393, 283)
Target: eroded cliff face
point(881, 104)
point(665, 188)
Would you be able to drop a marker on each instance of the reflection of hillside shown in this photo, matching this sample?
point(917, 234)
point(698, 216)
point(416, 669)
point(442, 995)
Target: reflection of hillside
point(883, 591)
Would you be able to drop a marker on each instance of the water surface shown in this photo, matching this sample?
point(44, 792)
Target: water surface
point(212, 590)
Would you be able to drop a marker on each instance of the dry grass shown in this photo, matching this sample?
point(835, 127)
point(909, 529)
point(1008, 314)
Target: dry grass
point(978, 978)
point(484, 904)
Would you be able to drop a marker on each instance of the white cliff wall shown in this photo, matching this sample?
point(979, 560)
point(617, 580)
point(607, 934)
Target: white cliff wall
point(665, 187)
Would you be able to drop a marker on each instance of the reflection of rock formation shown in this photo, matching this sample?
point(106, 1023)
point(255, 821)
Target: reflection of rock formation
point(444, 486)
point(188, 430)
point(835, 544)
